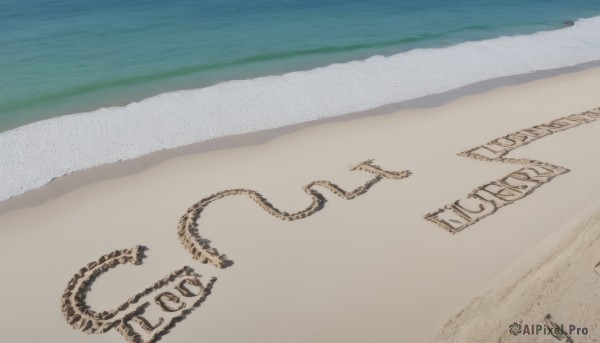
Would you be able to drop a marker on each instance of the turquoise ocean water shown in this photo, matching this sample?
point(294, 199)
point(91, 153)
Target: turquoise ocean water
point(85, 83)
point(67, 56)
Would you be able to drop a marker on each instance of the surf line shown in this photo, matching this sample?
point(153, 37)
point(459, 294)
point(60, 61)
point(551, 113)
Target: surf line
point(487, 199)
point(141, 320)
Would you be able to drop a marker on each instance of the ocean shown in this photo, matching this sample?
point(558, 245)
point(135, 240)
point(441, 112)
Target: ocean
point(141, 76)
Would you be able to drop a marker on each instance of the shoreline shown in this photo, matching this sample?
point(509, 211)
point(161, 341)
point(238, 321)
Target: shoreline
point(49, 149)
point(67, 183)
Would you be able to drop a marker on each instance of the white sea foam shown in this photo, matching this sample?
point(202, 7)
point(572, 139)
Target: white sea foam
point(34, 154)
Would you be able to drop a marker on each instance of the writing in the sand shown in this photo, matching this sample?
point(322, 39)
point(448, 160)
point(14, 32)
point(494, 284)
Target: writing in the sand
point(150, 314)
point(487, 199)
point(138, 319)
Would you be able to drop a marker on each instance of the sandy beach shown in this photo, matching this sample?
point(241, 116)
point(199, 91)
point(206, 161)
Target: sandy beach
point(342, 231)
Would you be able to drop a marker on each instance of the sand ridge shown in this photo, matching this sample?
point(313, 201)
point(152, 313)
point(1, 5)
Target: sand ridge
point(555, 301)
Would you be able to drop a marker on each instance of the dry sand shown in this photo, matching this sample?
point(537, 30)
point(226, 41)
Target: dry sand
point(370, 268)
point(562, 290)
